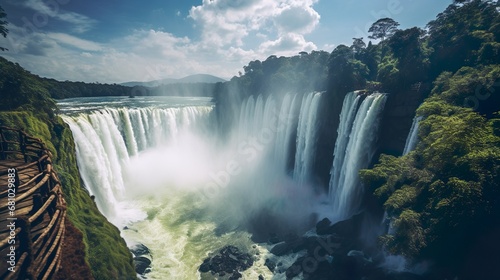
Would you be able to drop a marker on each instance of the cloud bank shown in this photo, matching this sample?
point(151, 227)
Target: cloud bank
point(231, 33)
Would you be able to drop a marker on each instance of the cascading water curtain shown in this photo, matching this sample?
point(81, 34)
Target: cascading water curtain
point(411, 140)
point(107, 138)
point(258, 115)
point(307, 134)
point(354, 150)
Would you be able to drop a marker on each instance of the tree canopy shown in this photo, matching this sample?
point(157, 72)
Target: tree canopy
point(3, 23)
point(383, 28)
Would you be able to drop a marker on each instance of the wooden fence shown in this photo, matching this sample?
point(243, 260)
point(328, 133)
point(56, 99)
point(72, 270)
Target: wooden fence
point(32, 208)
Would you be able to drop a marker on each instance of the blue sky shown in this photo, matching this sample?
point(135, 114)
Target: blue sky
point(123, 40)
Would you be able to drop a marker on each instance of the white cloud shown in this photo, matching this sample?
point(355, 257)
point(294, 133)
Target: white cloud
point(228, 22)
point(81, 23)
point(297, 19)
point(289, 44)
point(75, 41)
point(232, 34)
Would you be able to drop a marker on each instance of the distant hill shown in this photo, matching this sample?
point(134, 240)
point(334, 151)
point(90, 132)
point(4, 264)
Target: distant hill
point(197, 78)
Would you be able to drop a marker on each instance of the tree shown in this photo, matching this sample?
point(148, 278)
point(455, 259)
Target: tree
point(3, 23)
point(408, 48)
point(345, 73)
point(383, 28)
point(465, 34)
point(358, 44)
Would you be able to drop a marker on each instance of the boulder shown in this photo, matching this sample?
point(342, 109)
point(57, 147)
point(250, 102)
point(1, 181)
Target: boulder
point(142, 265)
point(228, 261)
point(142, 258)
point(270, 264)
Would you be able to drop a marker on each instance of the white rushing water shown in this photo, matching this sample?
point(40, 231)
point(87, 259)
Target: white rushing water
point(306, 138)
point(105, 140)
point(412, 139)
point(155, 166)
point(154, 169)
point(354, 150)
point(275, 125)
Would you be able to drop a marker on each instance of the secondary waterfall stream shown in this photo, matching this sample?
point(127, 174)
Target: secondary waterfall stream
point(354, 150)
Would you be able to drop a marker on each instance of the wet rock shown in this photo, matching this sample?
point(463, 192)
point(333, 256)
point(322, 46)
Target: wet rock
point(280, 249)
point(140, 249)
point(236, 275)
point(348, 228)
point(228, 261)
point(270, 264)
point(323, 227)
point(142, 258)
point(142, 265)
point(274, 239)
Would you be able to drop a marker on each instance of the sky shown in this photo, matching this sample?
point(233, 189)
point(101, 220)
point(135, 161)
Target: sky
point(115, 41)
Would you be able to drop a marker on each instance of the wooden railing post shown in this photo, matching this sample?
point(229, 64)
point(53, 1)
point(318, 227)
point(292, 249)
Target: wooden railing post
point(22, 145)
point(3, 146)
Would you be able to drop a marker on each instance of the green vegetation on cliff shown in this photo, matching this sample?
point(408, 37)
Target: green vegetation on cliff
point(447, 191)
point(26, 104)
point(444, 197)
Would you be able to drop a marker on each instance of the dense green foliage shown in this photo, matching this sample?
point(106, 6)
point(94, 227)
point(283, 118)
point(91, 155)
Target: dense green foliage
point(20, 90)
point(445, 195)
point(383, 28)
point(300, 73)
point(3, 29)
point(447, 190)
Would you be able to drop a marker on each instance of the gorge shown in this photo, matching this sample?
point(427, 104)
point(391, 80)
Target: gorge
point(158, 168)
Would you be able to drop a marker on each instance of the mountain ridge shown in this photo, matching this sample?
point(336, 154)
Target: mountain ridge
point(196, 78)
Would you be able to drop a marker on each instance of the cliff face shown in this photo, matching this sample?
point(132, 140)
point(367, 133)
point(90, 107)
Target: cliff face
point(397, 119)
point(105, 252)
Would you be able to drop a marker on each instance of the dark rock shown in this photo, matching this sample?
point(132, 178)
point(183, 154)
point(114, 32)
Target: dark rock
point(281, 249)
point(323, 227)
point(261, 277)
point(140, 250)
point(205, 266)
point(229, 260)
point(236, 275)
point(295, 269)
point(270, 264)
point(142, 258)
point(350, 227)
point(142, 264)
point(274, 239)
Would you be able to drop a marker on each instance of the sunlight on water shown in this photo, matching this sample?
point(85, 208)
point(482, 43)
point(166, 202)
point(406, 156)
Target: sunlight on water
point(180, 236)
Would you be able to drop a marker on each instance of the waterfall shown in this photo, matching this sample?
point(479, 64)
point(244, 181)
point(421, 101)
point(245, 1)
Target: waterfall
point(263, 119)
point(285, 130)
point(350, 106)
point(105, 140)
point(354, 150)
point(411, 140)
point(306, 138)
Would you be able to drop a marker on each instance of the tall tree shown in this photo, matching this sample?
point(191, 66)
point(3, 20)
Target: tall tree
point(358, 44)
point(383, 28)
point(3, 23)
